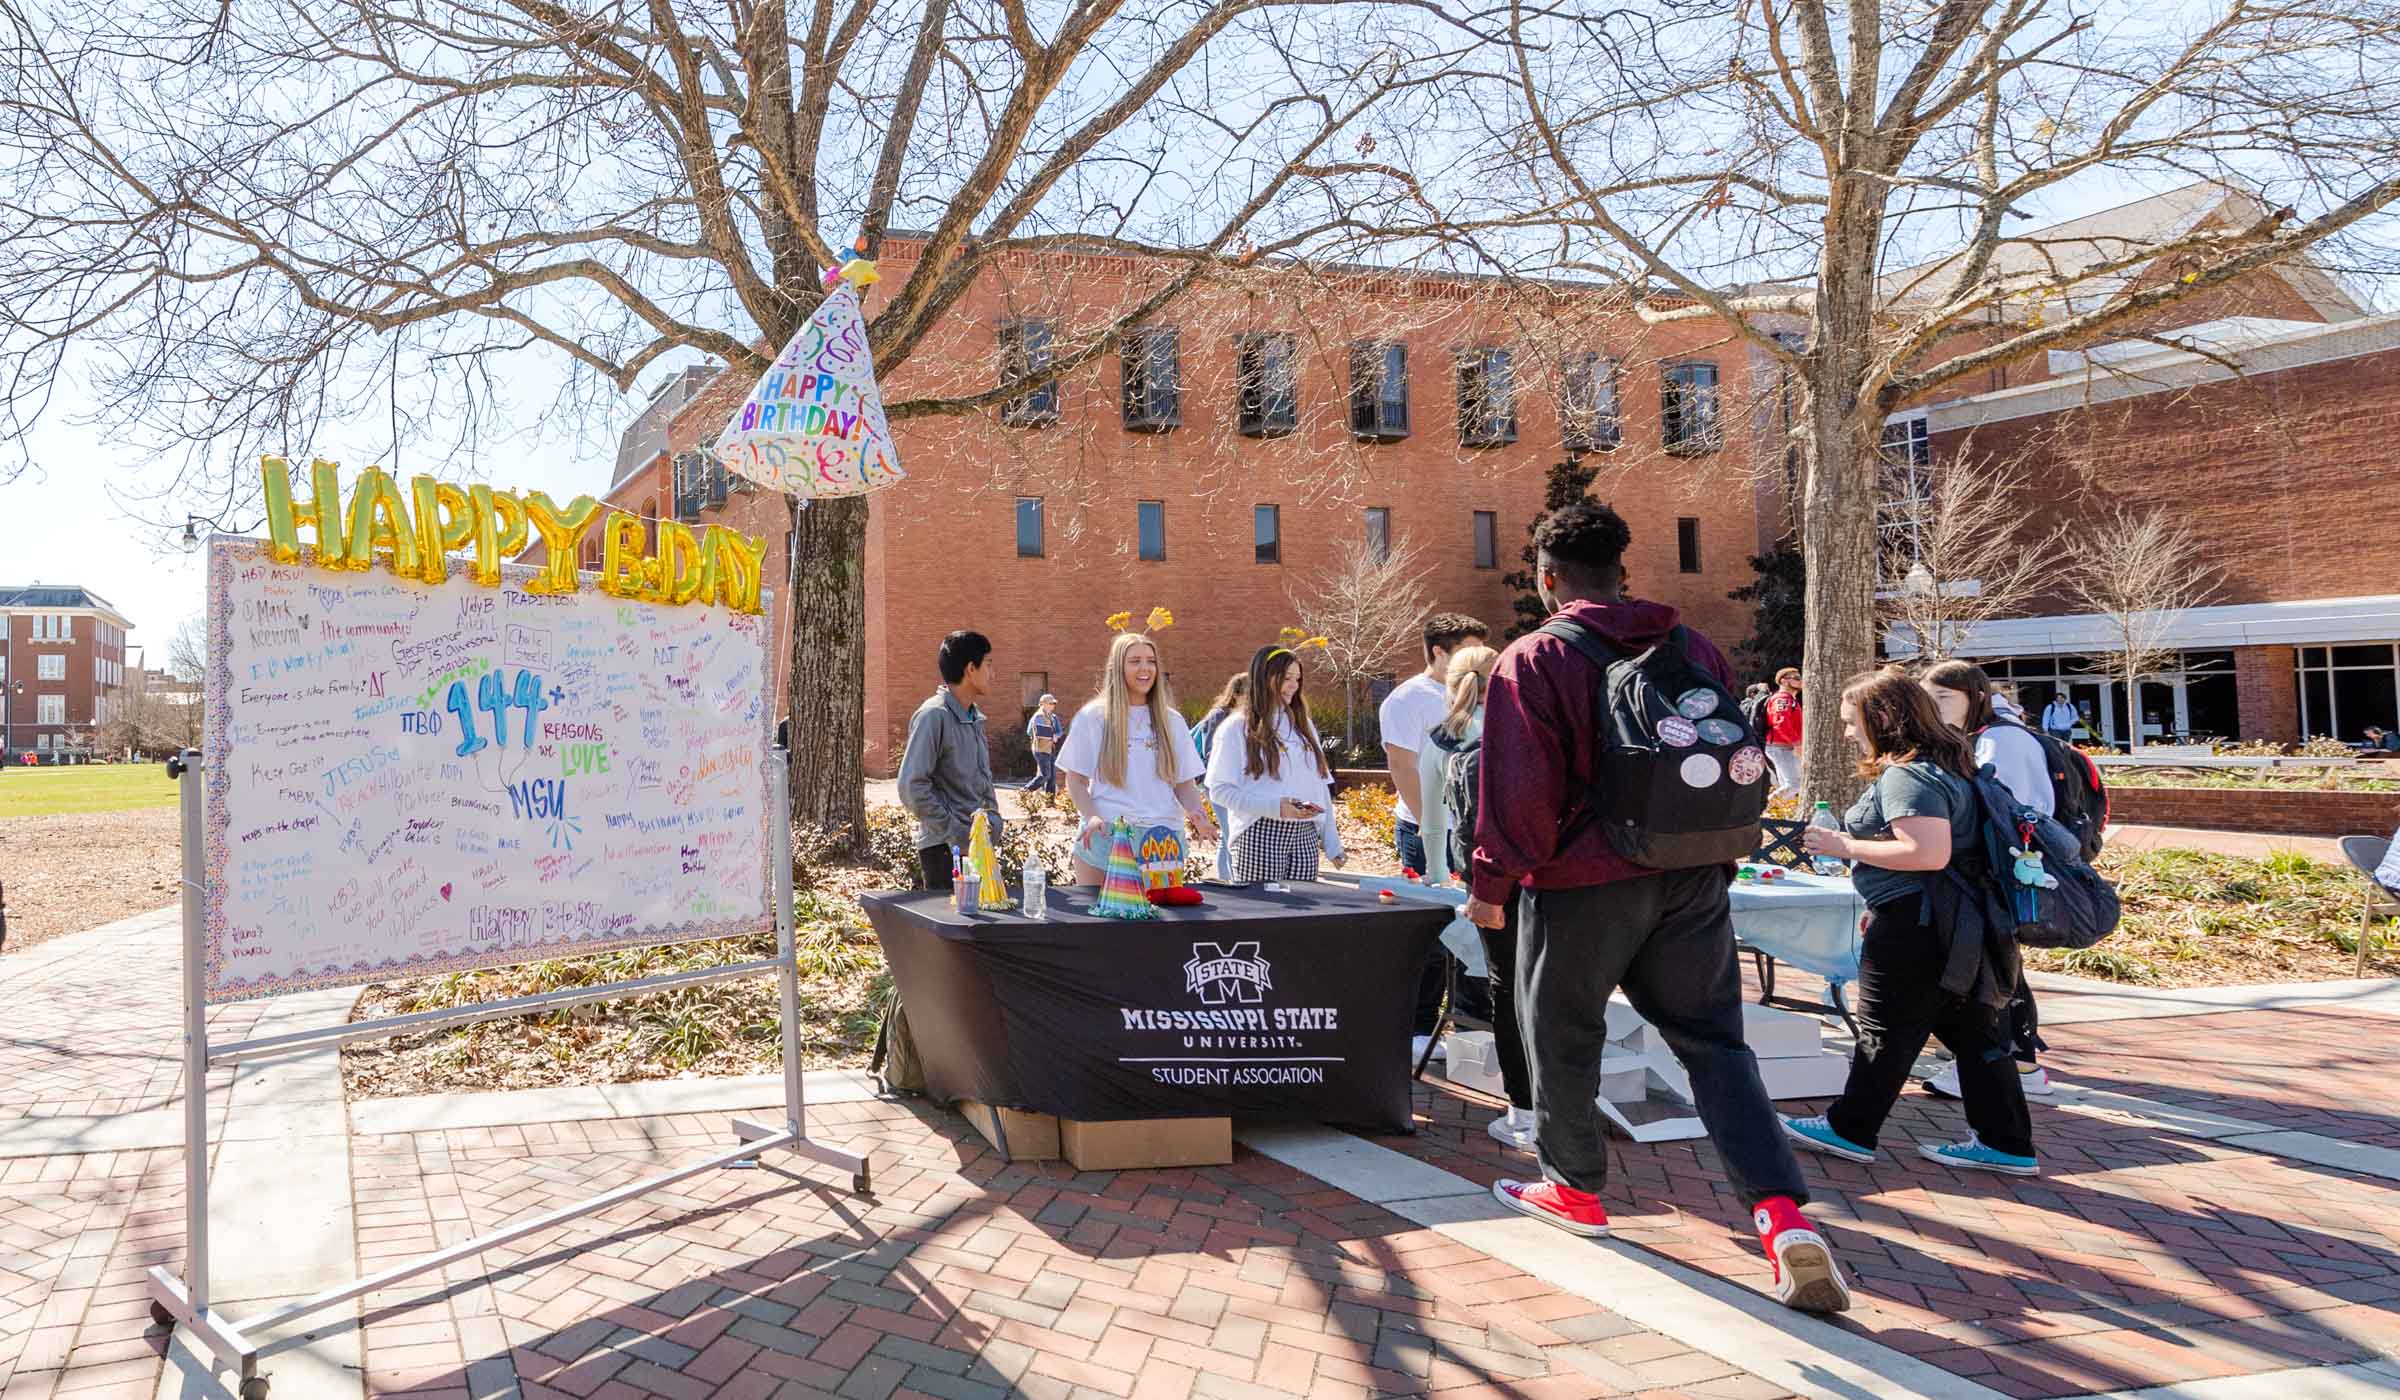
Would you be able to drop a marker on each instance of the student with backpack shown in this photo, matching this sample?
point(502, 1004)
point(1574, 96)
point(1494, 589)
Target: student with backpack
point(1783, 713)
point(1451, 774)
point(1204, 733)
point(1930, 962)
point(2023, 764)
point(1617, 788)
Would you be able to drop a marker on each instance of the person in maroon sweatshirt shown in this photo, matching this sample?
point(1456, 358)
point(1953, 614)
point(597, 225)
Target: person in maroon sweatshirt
point(1590, 921)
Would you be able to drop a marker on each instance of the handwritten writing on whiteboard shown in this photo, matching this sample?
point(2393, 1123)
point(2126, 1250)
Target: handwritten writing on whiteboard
point(405, 778)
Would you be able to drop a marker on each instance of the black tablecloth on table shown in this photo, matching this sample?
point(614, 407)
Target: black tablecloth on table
point(1292, 1006)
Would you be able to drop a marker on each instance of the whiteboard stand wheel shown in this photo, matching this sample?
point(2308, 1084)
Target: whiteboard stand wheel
point(860, 1185)
point(161, 1314)
point(254, 1388)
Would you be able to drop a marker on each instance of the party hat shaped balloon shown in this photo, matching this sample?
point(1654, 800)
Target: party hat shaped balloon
point(1121, 894)
point(814, 426)
point(991, 892)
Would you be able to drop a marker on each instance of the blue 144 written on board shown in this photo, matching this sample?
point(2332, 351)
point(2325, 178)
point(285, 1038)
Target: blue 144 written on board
point(405, 779)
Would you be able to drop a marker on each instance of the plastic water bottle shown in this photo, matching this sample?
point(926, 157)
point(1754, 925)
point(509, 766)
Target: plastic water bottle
point(1826, 865)
point(1037, 891)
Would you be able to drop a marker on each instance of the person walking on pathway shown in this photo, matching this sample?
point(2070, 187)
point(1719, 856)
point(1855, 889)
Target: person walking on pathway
point(1406, 717)
point(946, 769)
point(1454, 754)
point(1042, 733)
point(2058, 718)
point(1591, 921)
point(1964, 696)
point(1783, 712)
point(1929, 964)
point(1267, 773)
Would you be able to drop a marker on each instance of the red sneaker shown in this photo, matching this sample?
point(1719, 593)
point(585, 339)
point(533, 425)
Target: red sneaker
point(1576, 1212)
point(1805, 1275)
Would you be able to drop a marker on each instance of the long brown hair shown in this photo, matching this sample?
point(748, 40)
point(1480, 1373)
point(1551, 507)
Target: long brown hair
point(1116, 730)
point(1236, 686)
point(1262, 752)
point(1967, 679)
point(1899, 723)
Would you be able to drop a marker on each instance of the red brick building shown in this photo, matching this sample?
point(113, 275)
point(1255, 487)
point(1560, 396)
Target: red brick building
point(1219, 462)
point(62, 666)
point(2275, 439)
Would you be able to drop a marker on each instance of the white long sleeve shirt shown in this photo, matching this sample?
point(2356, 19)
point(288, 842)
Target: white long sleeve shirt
point(1245, 798)
point(2017, 761)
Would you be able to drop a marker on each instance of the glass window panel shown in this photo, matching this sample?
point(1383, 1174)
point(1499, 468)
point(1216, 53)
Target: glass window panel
point(1266, 534)
point(1379, 533)
point(2380, 654)
point(2361, 698)
point(1029, 527)
point(1487, 540)
point(1152, 526)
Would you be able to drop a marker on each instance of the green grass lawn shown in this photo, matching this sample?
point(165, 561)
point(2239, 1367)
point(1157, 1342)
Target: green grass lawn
point(114, 787)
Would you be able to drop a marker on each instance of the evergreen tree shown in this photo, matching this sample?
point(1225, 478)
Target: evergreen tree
point(1567, 483)
point(1777, 598)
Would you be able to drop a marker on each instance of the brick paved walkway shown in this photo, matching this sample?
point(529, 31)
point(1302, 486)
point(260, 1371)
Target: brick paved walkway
point(2139, 1257)
point(963, 1277)
point(81, 1038)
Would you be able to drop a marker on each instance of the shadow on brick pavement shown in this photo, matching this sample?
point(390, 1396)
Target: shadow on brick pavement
point(2138, 1258)
point(963, 1277)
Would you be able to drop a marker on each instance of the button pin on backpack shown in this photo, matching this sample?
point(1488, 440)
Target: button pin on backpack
point(1677, 732)
point(1696, 703)
point(1701, 770)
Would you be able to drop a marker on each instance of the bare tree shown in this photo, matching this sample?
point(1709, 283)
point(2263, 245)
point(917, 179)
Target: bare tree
point(1836, 186)
point(1368, 608)
point(266, 217)
point(1960, 548)
point(187, 651)
point(2137, 571)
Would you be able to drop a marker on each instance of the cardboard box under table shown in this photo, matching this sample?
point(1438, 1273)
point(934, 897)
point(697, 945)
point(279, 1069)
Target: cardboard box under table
point(1289, 1007)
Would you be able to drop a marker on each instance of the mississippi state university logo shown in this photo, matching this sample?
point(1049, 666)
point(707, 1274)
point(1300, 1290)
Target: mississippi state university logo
point(1222, 976)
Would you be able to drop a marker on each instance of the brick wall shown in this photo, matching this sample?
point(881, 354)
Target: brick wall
point(2284, 812)
point(941, 551)
point(2285, 478)
point(2266, 690)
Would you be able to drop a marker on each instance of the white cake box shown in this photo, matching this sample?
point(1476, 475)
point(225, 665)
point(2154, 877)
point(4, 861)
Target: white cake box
point(1473, 1062)
point(1804, 1076)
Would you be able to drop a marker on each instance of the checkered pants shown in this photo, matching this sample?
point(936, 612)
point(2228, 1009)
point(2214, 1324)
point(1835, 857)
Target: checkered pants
point(1275, 849)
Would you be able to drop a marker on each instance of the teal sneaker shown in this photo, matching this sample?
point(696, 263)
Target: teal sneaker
point(1817, 1135)
point(1974, 1156)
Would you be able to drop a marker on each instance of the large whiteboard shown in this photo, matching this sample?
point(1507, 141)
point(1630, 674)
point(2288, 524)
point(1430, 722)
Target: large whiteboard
point(406, 778)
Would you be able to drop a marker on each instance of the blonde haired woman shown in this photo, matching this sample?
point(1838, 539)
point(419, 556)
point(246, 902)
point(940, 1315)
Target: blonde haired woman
point(1129, 754)
point(1461, 733)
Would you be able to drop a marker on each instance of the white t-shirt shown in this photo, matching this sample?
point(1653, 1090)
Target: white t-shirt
point(1408, 714)
point(1143, 796)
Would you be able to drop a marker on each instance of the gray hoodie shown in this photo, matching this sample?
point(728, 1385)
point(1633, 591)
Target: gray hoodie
point(946, 772)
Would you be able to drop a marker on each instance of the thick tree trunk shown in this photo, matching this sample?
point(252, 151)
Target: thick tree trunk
point(1837, 528)
point(829, 668)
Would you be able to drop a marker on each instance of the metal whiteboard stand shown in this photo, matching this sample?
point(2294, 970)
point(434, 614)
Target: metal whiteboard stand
point(185, 1300)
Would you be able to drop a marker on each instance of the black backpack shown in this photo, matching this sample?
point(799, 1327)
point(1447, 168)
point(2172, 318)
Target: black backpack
point(1754, 714)
point(1462, 769)
point(2078, 910)
point(1681, 782)
point(2076, 790)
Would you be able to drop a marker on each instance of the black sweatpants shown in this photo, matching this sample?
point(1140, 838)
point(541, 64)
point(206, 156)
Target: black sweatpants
point(1900, 1003)
point(1667, 939)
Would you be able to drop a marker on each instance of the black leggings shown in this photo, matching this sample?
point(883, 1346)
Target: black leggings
point(1900, 1003)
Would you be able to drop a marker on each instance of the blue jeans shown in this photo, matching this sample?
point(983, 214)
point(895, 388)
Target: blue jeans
point(1045, 774)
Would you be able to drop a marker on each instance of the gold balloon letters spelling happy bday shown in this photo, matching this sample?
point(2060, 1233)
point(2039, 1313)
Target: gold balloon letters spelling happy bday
point(717, 566)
